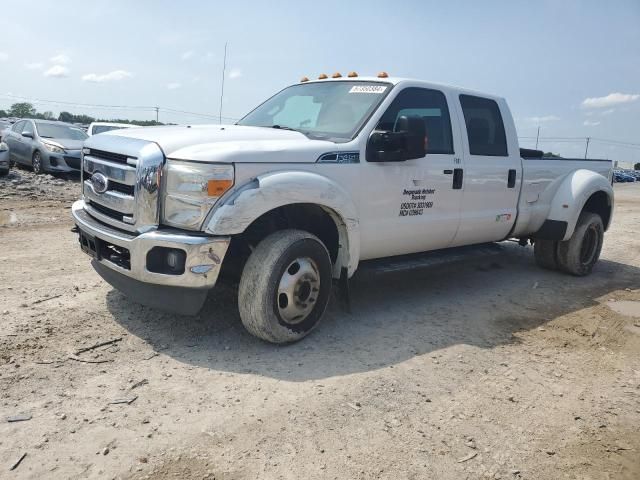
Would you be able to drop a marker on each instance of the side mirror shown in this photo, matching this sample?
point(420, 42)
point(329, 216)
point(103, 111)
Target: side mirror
point(28, 135)
point(405, 143)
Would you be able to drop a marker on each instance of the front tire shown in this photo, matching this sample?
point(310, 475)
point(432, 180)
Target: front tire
point(285, 286)
point(580, 253)
point(36, 163)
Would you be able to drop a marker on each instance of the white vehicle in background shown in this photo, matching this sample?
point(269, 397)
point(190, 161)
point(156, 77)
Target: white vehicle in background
point(317, 180)
point(100, 127)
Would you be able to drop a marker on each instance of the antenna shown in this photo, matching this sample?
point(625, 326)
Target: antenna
point(224, 67)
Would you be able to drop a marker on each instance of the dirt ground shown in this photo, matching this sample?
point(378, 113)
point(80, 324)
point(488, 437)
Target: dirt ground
point(488, 368)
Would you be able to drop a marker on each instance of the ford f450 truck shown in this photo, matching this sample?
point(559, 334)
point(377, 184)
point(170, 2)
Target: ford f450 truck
point(317, 179)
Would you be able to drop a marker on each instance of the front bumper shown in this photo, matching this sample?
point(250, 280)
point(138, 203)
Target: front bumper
point(64, 163)
point(203, 259)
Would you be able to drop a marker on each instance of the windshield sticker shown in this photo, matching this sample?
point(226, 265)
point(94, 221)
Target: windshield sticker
point(367, 89)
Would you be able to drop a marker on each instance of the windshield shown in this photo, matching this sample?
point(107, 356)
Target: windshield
point(105, 128)
point(328, 110)
point(51, 130)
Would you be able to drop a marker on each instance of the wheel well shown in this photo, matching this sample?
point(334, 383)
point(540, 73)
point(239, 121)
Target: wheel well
point(600, 204)
point(302, 216)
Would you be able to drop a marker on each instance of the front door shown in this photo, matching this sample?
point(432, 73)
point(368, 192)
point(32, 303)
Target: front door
point(413, 206)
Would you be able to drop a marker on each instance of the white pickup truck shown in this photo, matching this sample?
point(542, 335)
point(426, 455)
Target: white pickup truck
point(322, 176)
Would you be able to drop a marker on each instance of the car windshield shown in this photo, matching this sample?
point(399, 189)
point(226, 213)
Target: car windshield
point(105, 128)
point(328, 110)
point(52, 130)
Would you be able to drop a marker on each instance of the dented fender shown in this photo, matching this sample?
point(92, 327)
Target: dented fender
point(249, 201)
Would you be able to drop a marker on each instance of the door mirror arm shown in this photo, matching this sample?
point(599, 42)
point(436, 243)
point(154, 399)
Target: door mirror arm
point(27, 135)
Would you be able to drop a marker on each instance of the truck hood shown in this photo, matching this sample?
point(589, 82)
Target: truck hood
point(231, 143)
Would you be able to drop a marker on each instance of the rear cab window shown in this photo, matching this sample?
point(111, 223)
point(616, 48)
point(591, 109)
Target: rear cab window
point(485, 128)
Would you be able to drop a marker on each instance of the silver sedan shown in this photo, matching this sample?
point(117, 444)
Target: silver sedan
point(46, 146)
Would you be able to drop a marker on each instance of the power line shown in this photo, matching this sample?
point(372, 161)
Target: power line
point(145, 108)
point(617, 143)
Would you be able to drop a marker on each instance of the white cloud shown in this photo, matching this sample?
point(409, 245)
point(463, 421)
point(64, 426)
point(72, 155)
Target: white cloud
point(543, 119)
point(610, 100)
point(57, 71)
point(34, 65)
point(590, 123)
point(173, 85)
point(608, 112)
point(60, 59)
point(4, 57)
point(235, 73)
point(114, 76)
point(187, 55)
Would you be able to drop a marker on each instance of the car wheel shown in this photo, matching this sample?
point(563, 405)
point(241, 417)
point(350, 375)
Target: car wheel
point(545, 253)
point(580, 253)
point(36, 163)
point(285, 286)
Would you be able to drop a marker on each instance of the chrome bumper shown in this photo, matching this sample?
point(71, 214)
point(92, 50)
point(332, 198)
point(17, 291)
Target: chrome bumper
point(204, 254)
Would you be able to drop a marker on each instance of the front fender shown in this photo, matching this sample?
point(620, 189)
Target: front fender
point(571, 196)
point(250, 201)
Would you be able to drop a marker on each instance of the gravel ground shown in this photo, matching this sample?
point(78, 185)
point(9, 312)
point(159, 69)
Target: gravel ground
point(490, 368)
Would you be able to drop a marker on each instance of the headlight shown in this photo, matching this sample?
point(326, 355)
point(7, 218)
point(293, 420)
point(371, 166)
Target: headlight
point(53, 148)
point(191, 189)
point(3, 147)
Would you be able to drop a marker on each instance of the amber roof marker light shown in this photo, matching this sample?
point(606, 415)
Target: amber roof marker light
point(352, 74)
point(304, 79)
point(383, 75)
point(336, 75)
point(322, 76)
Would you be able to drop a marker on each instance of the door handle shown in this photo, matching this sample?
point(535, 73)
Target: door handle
point(448, 172)
point(511, 180)
point(457, 178)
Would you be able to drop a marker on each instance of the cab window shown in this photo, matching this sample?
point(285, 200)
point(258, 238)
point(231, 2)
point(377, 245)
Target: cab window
point(28, 128)
point(485, 129)
point(431, 106)
point(17, 127)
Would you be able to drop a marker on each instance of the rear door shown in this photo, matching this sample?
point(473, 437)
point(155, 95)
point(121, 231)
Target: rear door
point(14, 140)
point(492, 171)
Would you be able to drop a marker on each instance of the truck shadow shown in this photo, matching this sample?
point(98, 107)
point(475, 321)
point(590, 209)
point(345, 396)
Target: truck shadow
point(395, 317)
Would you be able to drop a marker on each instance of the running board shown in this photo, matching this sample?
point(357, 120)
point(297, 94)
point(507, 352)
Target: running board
point(416, 261)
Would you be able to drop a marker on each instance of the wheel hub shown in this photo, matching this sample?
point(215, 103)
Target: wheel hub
point(298, 290)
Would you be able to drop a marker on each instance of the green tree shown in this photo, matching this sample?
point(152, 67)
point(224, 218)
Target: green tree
point(22, 110)
point(65, 117)
point(3, 114)
point(636, 166)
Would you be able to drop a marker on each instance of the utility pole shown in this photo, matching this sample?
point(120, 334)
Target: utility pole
point(586, 149)
point(157, 113)
point(224, 67)
point(537, 137)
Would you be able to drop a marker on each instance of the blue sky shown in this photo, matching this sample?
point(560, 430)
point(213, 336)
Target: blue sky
point(546, 57)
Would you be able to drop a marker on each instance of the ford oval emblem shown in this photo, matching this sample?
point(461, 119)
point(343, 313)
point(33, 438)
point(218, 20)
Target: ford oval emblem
point(99, 182)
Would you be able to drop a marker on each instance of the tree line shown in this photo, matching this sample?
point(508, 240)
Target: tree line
point(27, 110)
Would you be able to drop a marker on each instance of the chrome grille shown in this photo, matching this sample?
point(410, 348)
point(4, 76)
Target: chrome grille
point(133, 169)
